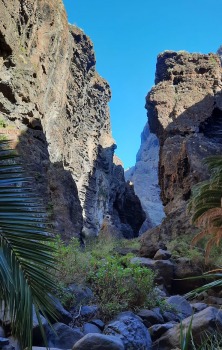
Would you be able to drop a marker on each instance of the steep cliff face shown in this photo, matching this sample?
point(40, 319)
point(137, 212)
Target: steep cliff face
point(54, 105)
point(185, 112)
point(144, 176)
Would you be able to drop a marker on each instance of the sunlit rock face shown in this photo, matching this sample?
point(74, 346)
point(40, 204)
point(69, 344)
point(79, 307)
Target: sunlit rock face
point(144, 177)
point(55, 106)
point(185, 112)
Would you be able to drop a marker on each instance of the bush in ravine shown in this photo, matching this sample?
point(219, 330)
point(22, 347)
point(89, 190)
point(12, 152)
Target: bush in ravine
point(117, 284)
point(120, 285)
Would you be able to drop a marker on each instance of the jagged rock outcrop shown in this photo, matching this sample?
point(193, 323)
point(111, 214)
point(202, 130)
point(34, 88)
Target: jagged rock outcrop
point(54, 105)
point(144, 176)
point(185, 112)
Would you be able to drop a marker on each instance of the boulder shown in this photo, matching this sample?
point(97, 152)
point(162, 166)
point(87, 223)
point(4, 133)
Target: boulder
point(99, 323)
point(130, 329)
point(63, 315)
point(163, 268)
point(162, 255)
point(99, 342)
point(198, 306)
point(184, 268)
point(82, 294)
point(207, 320)
point(90, 328)
point(64, 336)
point(150, 317)
point(150, 246)
point(157, 330)
point(181, 306)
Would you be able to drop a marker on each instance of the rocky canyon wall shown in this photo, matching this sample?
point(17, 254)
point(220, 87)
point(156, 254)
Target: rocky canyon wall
point(185, 112)
point(54, 106)
point(144, 176)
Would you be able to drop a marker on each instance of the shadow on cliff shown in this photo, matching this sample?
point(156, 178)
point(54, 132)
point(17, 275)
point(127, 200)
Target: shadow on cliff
point(185, 142)
point(109, 195)
point(192, 136)
point(51, 181)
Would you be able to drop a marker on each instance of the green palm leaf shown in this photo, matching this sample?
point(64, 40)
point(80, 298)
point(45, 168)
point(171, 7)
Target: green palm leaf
point(26, 258)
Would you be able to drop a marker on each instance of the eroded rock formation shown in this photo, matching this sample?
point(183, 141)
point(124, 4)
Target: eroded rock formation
point(54, 104)
point(144, 176)
point(185, 112)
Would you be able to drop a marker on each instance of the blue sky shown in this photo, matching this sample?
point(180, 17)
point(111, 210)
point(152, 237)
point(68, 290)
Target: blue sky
point(127, 36)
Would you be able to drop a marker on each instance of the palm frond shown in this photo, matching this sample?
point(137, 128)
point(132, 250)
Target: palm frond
point(206, 205)
point(26, 260)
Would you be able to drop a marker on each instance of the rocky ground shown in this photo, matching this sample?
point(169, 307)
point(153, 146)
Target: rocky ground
point(79, 328)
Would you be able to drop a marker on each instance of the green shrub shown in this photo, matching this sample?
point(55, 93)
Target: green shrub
point(117, 284)
point(120, 285)
point(181, 247)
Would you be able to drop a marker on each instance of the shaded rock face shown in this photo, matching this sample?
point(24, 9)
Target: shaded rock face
point(55, 106)
point(144, 176)
point(185, 112)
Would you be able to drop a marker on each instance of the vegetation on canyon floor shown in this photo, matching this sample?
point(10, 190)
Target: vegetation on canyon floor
point(117, 284)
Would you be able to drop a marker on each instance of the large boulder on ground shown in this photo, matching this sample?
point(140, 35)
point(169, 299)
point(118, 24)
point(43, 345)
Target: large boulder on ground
point(63, 315)
point(157, 330)
point(208, 320)
point(181, 306)
point(163, 268)
point(81, 294)
point(150, 317)
point(184, 268)
point(130, 329)
point(162, 255)
point(90, 328)
point(99, 342)
point(64, 336)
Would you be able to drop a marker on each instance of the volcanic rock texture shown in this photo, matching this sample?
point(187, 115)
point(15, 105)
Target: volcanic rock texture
point(54, 105)
point(185, 112)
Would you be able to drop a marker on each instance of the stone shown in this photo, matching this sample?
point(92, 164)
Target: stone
point(130, 329)
point(82, 294)
point(89, 311)
point(150, 317)
point(184, 268)
point(163, 268)
point(65, 336)
point(207, 320)
point(99, 342)
point(162, 255)
point(90, 328)
point(150, 244)
point(157, 330)
point(99, 323)
point(170, 316)
point(181, 306)
point(198, 306)
point(63, 315)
